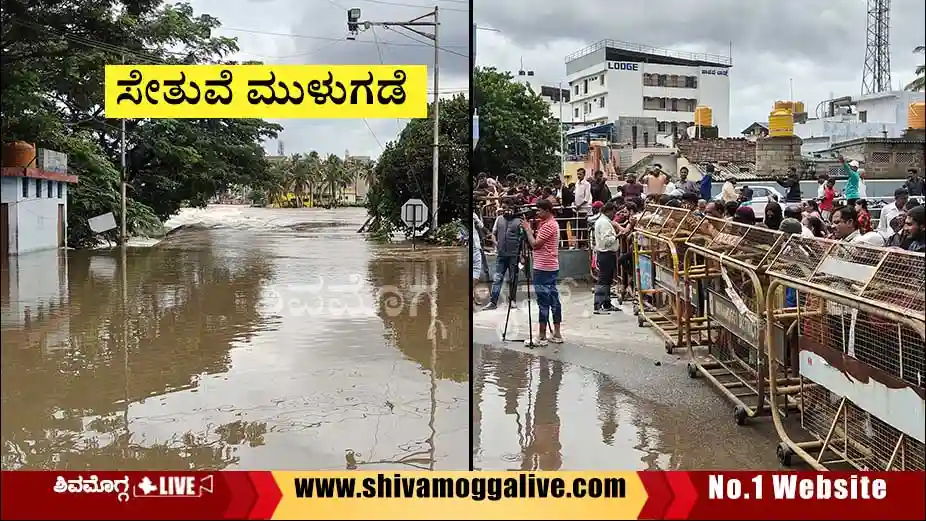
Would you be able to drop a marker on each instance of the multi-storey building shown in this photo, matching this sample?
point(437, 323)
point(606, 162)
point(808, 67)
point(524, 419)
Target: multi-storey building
point(613, 79)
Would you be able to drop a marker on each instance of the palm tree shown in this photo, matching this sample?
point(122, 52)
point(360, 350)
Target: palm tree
point(919, 83)
point(334, 177)
point(304, 176)
point(313, 167)
point(278, 186)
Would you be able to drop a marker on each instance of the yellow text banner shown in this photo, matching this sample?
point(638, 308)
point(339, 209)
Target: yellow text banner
point(267, 91)
point(459, 495)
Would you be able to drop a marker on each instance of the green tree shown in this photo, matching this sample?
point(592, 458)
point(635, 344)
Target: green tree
point(517, 133)
point(404, 170)
point(51, 93)
point(335, 176)
point(919, 83)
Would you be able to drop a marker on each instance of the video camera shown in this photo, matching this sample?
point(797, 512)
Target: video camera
point(528, 212)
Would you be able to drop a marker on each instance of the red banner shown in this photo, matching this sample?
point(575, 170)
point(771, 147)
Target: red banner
point(304, 495)
point(138, 495)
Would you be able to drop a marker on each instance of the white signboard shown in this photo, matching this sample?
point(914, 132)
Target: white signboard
point(102, 223)
point(414, 213)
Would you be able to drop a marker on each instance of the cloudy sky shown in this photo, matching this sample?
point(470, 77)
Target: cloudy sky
point(820, 44)
point(313, 32)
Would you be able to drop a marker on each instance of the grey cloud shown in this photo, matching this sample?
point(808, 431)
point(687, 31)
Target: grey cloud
point(315, 32)
point(820, 45)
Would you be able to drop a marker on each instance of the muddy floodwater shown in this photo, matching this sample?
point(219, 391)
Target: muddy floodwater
point(248, 338)
point(537, 412)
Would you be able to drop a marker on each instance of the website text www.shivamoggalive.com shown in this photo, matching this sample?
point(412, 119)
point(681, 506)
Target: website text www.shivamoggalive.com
point(525, 486)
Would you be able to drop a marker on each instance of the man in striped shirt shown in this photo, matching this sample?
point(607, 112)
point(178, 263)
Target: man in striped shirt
point(545, 247)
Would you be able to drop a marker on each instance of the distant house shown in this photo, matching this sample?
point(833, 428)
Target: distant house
point(33, 209)
point(756, 130)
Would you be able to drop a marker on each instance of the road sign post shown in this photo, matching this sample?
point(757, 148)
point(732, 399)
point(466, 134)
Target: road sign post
point(414, 214)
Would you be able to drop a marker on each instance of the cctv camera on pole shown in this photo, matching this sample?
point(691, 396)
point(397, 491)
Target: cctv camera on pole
point(353, 25)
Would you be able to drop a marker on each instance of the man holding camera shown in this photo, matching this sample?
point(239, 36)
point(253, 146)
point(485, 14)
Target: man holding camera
point(507, 234)
point(545, 247)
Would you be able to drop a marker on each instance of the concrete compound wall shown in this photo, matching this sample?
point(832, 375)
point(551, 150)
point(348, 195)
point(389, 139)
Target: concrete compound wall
point(573, 264)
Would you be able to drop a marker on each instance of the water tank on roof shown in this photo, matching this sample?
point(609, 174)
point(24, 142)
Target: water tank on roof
point(703, 116)
point(799, 107)
point(781, 123)
point(916, 116)
point(783, 105)
point(19, 154)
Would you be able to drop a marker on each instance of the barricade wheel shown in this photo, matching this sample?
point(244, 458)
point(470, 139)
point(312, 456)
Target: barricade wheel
point(669, 348)
point(639, 320)
point(692, 370)
point(740, 415)
point(784, 453)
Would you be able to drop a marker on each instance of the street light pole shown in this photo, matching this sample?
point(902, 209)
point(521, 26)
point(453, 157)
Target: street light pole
point(355, 25)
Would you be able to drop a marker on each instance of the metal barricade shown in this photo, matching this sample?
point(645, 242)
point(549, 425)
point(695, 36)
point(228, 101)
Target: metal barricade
point(859, 353)
point(659, 244)
point(724, 271)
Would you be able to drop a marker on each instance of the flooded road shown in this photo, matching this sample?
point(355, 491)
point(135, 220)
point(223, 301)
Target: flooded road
point(537, 410)
point(249, 338)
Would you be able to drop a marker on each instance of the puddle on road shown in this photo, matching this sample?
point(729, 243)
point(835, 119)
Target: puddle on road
point(284, 343)
point(537, 413)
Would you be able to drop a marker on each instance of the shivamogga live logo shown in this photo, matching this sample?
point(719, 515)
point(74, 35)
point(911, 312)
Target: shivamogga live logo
point(266, 91)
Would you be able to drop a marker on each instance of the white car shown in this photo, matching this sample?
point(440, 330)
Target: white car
point(761, 196)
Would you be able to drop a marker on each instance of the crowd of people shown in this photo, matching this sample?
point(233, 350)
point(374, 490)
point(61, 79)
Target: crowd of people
point(534, 216)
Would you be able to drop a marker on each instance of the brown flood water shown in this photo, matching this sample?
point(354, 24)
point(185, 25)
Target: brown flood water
point(251, 339)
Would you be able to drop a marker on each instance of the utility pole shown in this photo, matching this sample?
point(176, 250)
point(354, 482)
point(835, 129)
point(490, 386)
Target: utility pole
point(355, 25)
point(122, 229)
point(562, 135)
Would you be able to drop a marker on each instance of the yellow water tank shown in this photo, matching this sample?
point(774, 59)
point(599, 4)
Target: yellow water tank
point(703, 116)
point(798, 107)
point(784, 105)
point(781, 123)
point(916, 116)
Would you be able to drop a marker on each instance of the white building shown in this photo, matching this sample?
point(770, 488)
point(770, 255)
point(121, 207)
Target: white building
point(34, 303)
point(875, 115)
point(33, 210)
point(611, 79)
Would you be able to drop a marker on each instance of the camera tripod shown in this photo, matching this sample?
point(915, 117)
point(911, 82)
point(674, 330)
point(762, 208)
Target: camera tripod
point(513, 292)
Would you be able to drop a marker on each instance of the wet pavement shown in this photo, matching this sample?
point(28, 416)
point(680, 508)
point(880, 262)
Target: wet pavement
point(609, 398)
point(249, 338)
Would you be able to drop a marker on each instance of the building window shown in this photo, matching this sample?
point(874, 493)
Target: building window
point(601, 79)
point(577, 90)
point(691, 82)
point(661, 80)
point(38, 188)
point(25, 187)
point(661, 126)
point(585, 86)
point(601, 102)
point(60, 190)
point(863, 116)
point(51, 189)
point(577, 109)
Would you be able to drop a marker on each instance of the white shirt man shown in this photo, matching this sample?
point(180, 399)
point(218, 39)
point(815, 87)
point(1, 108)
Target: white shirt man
point(728, 192)
point(583, 195)
point(605, 236)
point(889, 212)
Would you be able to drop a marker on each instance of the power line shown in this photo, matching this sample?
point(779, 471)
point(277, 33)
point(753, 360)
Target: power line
point(419, 6)
point(328, 38)
point(425, 43)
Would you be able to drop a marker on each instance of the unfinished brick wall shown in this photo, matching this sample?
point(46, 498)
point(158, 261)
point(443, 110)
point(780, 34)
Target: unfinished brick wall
point(886, 158)
point(776, 155)
point(720, 150)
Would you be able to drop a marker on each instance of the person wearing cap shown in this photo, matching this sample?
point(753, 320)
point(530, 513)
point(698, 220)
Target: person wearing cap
point(745, 215)
point(852, 184)
point(901, 196)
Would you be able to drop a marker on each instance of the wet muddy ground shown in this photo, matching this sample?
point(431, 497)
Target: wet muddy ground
point(248, 338)
point(609, 398)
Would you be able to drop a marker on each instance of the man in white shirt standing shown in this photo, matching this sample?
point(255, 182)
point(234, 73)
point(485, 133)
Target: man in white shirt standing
point(901, 195)
point(606, 246)
point(728, 192)
point(583, 206)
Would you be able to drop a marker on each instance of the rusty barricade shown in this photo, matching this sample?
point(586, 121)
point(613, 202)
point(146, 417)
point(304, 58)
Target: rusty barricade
point(659, 245)
point(859, 330)
point(724, 271)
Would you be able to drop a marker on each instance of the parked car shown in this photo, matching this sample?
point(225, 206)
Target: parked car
point(761, 195)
